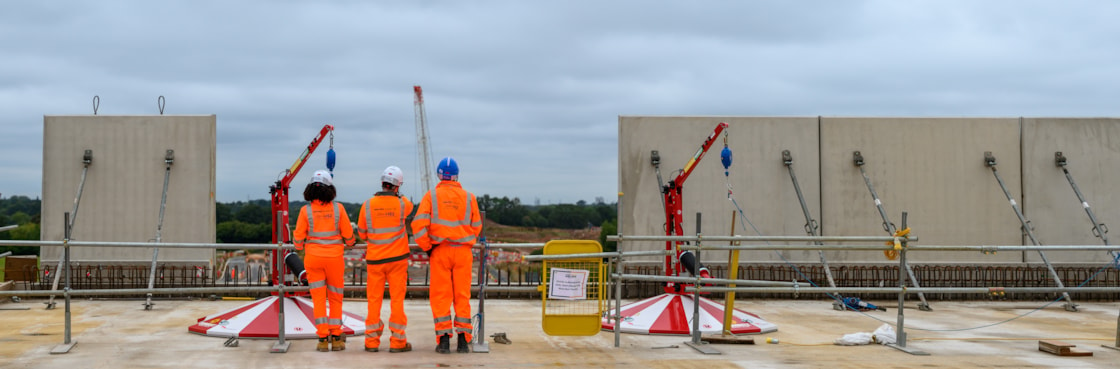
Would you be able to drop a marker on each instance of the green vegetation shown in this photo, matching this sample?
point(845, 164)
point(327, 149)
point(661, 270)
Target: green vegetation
point(24, 212)
point(250, 221)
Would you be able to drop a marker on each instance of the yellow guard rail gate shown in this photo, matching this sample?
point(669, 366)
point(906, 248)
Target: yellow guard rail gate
point(573, 289)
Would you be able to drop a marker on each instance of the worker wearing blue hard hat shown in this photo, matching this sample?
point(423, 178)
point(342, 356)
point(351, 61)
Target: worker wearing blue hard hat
point(447, 225)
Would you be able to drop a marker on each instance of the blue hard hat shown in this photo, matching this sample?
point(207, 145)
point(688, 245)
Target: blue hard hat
point(447, 168)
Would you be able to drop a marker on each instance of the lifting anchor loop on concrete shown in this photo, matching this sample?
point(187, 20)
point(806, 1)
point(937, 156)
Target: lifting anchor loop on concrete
point(889, 227)
point(990, 161)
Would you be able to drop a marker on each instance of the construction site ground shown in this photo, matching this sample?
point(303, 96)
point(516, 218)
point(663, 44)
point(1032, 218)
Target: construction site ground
point(121, 334)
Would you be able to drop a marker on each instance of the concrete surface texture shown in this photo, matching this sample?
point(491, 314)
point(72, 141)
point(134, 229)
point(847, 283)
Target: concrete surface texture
point(931, 168)
point(119, 333)
point(124, 184)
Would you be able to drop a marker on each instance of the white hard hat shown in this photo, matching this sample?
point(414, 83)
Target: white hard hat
point(323, 177)
point(393, 175)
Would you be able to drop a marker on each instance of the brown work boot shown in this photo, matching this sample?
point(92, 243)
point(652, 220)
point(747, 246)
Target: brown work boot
point(338, 343)
point(407, 347)
point(444, 346)
point(323, 345)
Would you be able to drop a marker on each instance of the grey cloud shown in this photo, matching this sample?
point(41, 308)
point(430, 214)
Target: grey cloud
point(526, 95)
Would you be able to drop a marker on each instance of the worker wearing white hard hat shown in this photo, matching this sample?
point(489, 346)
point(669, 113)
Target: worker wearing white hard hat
point(323, 230)
point(381, 224)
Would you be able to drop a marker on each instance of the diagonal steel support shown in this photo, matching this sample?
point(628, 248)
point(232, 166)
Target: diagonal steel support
point(990, 161)
point(811, 227)
point(889, 227)
point(1099, 229)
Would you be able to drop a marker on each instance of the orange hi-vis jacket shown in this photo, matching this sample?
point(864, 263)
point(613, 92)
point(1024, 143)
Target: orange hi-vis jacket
point(447, 216)
point(381, 224)
point(323, 229)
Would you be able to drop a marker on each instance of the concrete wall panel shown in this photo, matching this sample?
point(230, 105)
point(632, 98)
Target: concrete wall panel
point(760, 181)
point(1092, 149)
point(933, 169)
point(124, 183)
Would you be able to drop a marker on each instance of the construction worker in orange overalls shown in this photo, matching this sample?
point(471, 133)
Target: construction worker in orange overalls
point(446, 226)
point(323, 231)
point(381, 224)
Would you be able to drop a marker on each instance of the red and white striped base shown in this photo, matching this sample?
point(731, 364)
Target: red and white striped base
point(258, 320)
point(672, 314)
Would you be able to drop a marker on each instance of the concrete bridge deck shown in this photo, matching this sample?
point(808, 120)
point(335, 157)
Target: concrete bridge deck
point(120, 334)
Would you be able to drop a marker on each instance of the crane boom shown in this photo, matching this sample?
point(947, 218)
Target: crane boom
point(672, 196)
point(424, 150)
point(279, 191)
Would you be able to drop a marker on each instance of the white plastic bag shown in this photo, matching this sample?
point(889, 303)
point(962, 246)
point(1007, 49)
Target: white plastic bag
point(854, 339)
point(885, 334)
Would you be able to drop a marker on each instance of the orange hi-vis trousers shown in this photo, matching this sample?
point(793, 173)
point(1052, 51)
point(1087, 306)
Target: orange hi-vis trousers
point(324, 275)
point(396, 273)
point(450, 268)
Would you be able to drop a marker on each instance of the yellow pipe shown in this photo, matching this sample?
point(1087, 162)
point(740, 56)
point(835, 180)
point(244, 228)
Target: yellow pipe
point(732, 273)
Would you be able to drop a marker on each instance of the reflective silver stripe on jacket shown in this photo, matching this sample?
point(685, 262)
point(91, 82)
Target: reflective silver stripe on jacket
point(311, 225)
point(466, 221)
point(399, 230)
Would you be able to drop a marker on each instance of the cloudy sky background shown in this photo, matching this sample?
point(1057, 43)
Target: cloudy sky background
point(526, 94)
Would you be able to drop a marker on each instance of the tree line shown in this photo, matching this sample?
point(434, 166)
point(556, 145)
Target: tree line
point(251, 221)
point(23, 212)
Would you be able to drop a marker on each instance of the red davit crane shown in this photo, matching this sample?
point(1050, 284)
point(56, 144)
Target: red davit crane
point(673, 312)
point(279, 191)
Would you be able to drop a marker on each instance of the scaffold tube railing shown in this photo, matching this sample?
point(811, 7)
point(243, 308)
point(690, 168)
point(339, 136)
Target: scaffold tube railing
point(224, 246)
point(620, 238)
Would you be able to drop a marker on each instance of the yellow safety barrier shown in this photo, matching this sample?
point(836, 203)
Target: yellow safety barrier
point(573, 289)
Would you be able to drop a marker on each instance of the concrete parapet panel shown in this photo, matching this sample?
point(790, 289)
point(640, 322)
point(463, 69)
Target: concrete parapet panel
point(759, 179)
point(931, 168)
point(1091, 147)
point(124, 184)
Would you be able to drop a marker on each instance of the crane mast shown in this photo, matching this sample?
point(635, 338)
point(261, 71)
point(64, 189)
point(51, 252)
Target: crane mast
point(423, 148)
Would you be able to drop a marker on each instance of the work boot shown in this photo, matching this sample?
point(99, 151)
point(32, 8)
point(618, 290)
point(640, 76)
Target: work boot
point(371, 349)
point(323, 345)
point(407, 347)
point(463, 347)
point(338, 343)
point(444, 346)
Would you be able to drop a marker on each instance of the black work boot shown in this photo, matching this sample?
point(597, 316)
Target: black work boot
point(444, 346)
point(463, 346)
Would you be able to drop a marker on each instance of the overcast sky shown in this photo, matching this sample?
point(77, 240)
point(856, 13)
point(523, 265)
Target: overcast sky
point(526, 94)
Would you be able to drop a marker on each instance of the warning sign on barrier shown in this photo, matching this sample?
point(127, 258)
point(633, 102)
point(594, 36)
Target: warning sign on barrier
point(567, 284)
